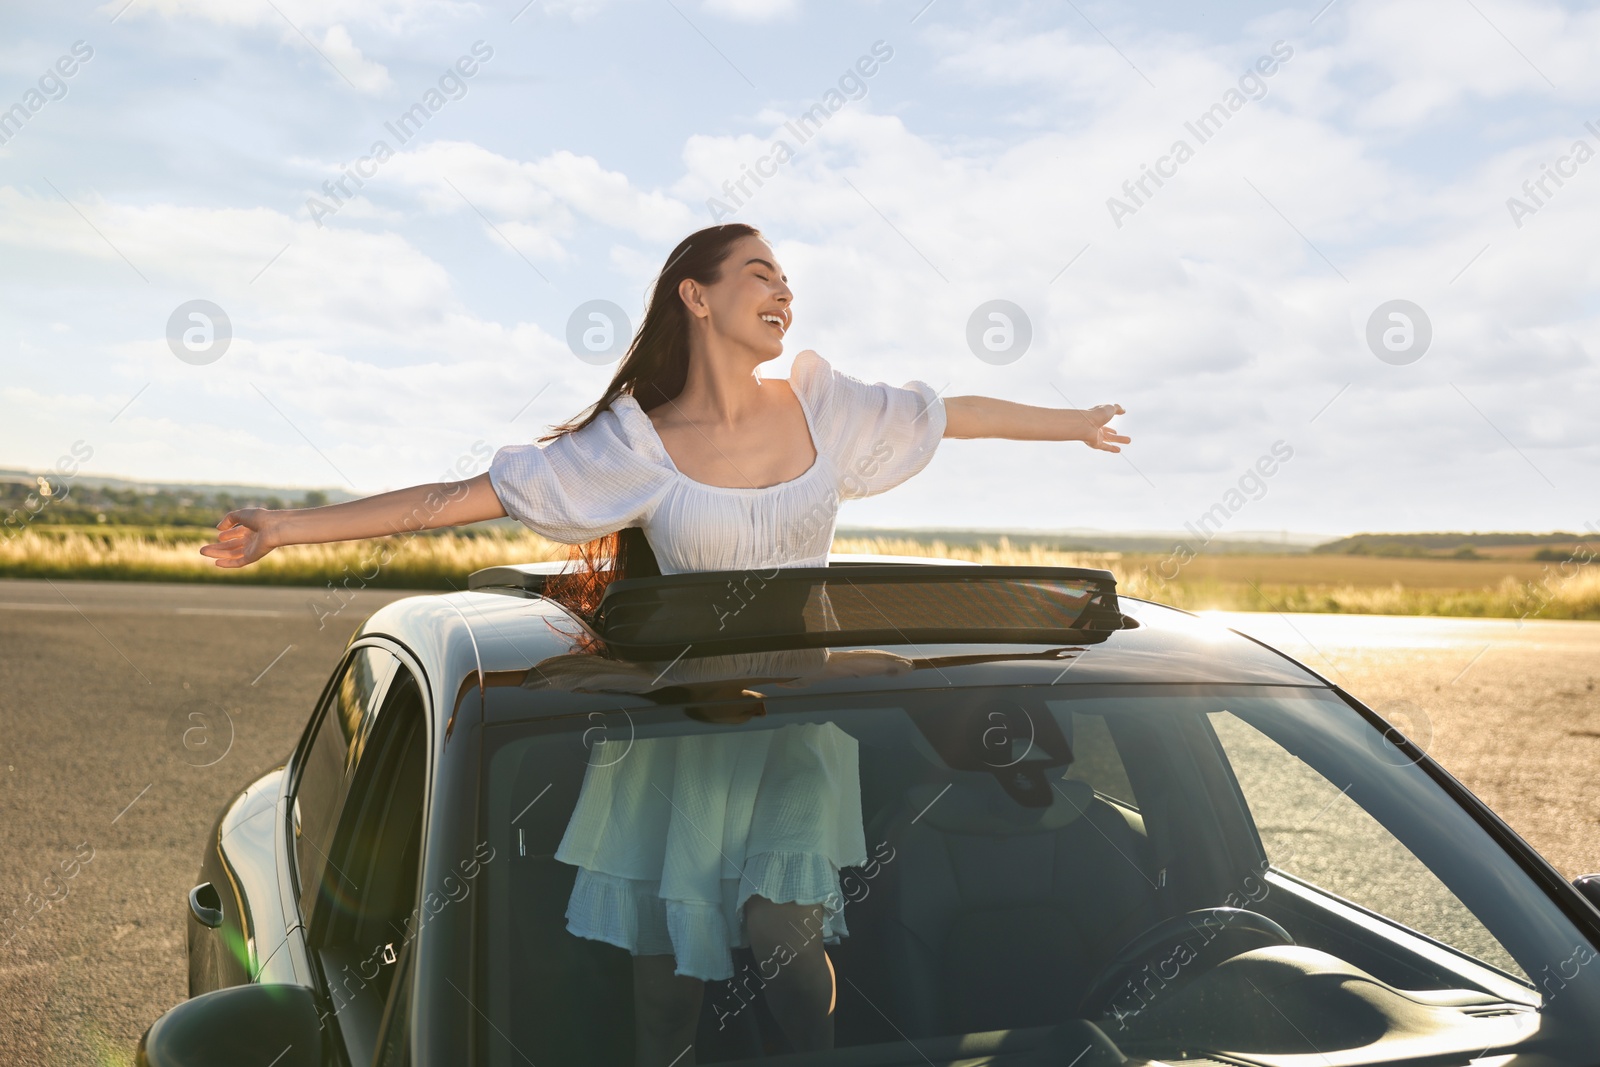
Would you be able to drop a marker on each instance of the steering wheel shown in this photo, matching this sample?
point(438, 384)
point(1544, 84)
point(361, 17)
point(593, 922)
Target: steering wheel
point(1212, 934)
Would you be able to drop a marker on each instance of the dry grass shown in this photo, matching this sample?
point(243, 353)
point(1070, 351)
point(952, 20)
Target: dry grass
point(172, 555)
point(1323, 583)
point(1486, 588)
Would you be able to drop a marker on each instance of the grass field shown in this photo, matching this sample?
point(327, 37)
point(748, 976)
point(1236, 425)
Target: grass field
point(1488, 588)
point(172, 554)
point(1502, 587)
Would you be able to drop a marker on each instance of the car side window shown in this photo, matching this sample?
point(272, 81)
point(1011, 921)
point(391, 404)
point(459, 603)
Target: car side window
point(1311, 829)
point(361, 924)
point(320, 779)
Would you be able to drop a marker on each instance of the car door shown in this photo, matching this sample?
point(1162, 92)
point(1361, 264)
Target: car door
point(248, 875)
point(360, 914)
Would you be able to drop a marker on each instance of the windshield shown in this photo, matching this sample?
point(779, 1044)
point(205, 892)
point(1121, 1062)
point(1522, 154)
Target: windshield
point(1168, 872)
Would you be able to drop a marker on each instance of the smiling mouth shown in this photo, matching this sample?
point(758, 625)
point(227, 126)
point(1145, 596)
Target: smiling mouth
point(775, 321)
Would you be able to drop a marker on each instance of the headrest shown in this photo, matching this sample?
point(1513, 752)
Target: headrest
point(979, 804)
point(1015, 742)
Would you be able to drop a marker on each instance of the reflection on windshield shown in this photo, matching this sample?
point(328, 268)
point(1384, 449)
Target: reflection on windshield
point(1208, 871)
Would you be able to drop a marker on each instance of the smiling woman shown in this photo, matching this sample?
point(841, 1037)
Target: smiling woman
point(717, 468)
point(709, 463)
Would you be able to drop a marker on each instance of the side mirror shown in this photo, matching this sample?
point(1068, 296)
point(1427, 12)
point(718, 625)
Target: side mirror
point(240, 1024)
point(1589, 886)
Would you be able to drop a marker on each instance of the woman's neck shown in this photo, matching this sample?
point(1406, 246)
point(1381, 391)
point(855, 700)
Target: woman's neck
point(721, 388)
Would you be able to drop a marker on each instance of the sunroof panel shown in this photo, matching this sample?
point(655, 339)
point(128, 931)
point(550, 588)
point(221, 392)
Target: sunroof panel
point(867, 604)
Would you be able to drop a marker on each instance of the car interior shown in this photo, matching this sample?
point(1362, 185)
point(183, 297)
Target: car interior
point(1035, 861)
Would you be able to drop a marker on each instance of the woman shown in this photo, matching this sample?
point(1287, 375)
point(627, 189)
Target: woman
point(721, 469)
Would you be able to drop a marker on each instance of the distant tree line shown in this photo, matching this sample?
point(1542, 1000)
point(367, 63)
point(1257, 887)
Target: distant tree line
point(67, 503)
point(1452, 545)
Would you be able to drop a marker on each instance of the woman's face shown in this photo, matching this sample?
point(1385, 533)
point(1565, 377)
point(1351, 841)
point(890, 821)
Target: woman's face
point(739, 306)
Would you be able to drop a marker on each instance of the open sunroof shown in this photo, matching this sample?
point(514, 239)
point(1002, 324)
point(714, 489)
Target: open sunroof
point(727, 611)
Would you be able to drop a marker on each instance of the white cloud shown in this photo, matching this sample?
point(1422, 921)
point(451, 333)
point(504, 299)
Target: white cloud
point(1499, 50)
point(753, 10)
point(1208, 315)
point(553, 192)
point(578, 11)
point(342, 52)
point(331, 279)
point(358, 338)
point(396, 16)
point(298, 22)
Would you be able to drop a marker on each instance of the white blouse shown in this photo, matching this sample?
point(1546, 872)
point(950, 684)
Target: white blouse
point(615, 472)
point(752, 811)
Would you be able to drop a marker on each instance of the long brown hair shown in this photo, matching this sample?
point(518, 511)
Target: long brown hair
point(653, 372)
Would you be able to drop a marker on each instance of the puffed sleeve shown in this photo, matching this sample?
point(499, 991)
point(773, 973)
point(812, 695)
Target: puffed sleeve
point(583, 484)
point(878, 434)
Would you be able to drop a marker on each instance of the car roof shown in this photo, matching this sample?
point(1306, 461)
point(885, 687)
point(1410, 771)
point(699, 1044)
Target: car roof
point(503, 631)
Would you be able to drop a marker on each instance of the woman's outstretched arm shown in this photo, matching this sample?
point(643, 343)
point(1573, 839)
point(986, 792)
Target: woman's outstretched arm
point(248, 534)
point(985, 416)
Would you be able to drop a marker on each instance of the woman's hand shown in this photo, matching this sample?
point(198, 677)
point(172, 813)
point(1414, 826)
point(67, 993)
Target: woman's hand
point(248, 534)
point(1101, 435)
point(244, 536)
point(972, 417)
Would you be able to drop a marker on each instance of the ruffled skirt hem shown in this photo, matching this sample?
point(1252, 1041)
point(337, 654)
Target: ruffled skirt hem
point(631, 913)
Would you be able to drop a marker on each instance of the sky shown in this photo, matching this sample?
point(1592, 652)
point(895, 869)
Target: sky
point(1337, 260)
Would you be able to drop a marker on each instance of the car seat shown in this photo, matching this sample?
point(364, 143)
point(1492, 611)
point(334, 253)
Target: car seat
point(994, 910)
point(573, 996)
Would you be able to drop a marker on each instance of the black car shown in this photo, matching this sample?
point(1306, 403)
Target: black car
point(1079, 829)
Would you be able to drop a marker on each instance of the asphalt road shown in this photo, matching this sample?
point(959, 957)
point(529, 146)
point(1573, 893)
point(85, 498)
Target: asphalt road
point(96, 684)
point(98, 680)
